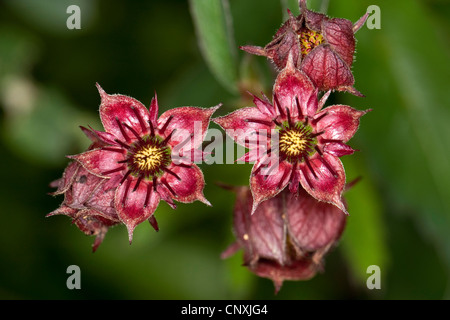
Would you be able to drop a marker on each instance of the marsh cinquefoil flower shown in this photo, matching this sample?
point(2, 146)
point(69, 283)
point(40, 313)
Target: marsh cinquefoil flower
point(322, 47)
point(146, 158)
point(287, 237)
point(88, 199)
point(310, 140)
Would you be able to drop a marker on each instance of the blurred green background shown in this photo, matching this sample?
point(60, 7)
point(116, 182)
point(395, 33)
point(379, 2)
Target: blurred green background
point(399, 211)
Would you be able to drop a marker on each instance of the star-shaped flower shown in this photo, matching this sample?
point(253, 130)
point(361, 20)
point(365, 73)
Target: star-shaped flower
point(146, 158)
point(305, 141)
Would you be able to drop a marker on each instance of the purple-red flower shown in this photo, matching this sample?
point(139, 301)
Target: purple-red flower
point(146, 158)
point(88, 199)
point(306, 141)
point(287, 236)
point(322, 47)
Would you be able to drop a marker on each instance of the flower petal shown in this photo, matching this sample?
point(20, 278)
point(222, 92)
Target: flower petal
point(188, 123)
point(130, 203)
point(324, 179)
point(339, 34)
point(243, 123)
point(312, 224)
point(327, 70)
point(189, 187)
point(64, 183)
point(116, 110)
point(261, 234)
point(265, 185)
point(292, 84)
point(339, 122)
point(338, 149)
point(99, 162)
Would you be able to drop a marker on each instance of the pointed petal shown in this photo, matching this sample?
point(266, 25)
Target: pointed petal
point(358, 24)
point(292, 85)
point(244, 123)
point(313, 20)
point(117, 108)
point(338, 149)
point(187, 122)
point(130, 205)
point(327, 69)
point(65, 182)
point(154, 109)
point(99, 161)
point(261, 234)
point(190, 186)
point(313, 225)
point(339, 35)
point(267, 186)
point(324, 184)
point(264, 106)
point(340, 122)
point(259, 51)
point(153, 222)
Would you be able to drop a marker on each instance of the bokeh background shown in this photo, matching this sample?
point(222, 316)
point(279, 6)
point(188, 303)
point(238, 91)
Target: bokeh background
point(399, 211)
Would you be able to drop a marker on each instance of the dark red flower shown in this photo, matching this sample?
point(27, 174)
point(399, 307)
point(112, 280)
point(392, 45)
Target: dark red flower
point(322, 47)
point(88, 199)
point(287, 236)
point(146, 158)
point(306, 142)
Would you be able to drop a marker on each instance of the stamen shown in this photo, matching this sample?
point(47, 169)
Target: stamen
point(113, 170)
point(141, 121)
point(300, 114)
point(276, 122)
point(184, 165)
point(125, 195)
point(138, 182)
point(168, 137)
point(278, 105)
point(308, 164)
point(308, 181)
point(164, 182)
point(113, 149)
point(147, 196)
point(123, 161)
point(123, 144)
point(306, 121)
point(125, 177)
point(288, 113)
point(318, 150)
point(154, 181)
point(331, 141)
point(314, 121)
point(152, 129)
point(122, 130)
point(267, 123)
point(171, 172)
point(133, 131)
point(316, 134)
point(164, 127)
point(332, 171)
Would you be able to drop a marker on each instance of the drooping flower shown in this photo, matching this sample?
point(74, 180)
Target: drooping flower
point(88, 199)
point(287, 237)
point(146, 158)
point(310, 140)
point(322, 47)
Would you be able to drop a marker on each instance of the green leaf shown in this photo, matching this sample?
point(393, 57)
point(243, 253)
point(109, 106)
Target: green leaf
point(213, 27)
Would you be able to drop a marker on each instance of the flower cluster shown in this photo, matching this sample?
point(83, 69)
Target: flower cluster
point(294, 210)
point(137, 161)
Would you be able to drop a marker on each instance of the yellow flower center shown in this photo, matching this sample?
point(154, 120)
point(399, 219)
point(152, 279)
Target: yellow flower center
point(297, 142)
point(149, 158)
point(309, 40)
